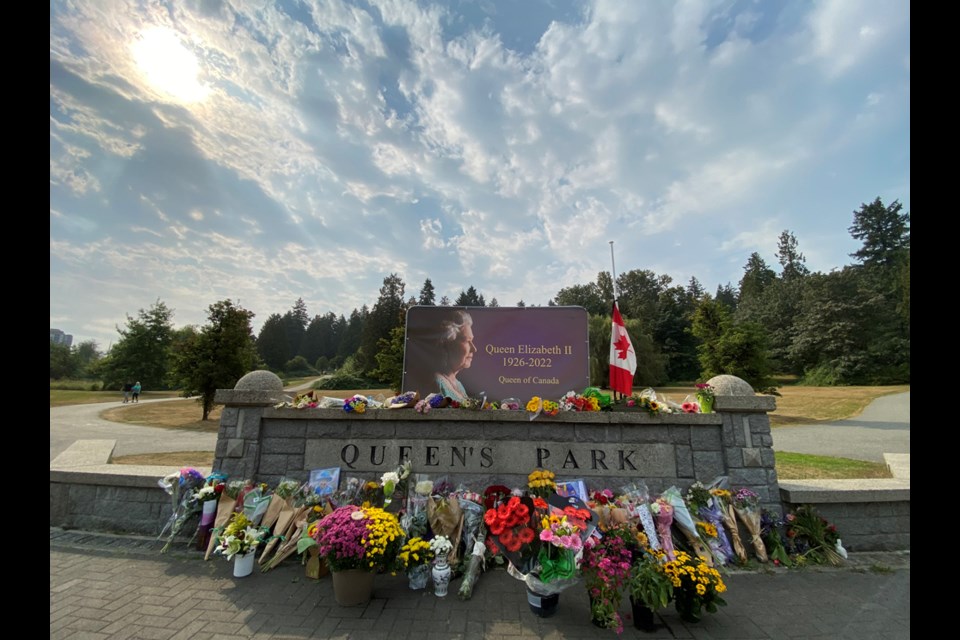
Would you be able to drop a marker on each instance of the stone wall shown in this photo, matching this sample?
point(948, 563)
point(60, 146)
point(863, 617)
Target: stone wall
point(480, 448)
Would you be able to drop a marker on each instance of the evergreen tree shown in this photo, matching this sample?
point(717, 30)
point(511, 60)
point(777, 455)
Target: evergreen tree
point(494, 303)
point(791, 260)
point(427, 293)
point(672, 336)
point(295, 324)
point(727, 296)
point(731, 348)
point(387, 314)
point(757, 277)
point(884, 231)
point(521, 303)
point(272, 342)
point(469, 298)
point(444, 301)
point(217, 356)
point(695, 290)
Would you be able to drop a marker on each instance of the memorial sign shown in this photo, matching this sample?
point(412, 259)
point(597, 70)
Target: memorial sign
point(496, 352)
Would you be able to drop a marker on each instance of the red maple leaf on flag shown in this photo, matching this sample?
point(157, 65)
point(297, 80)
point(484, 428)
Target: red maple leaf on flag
point(622, 345)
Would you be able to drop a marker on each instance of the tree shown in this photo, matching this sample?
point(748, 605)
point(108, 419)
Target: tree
point(444, 301)
point(272, 343)
point(85, 356)
point(695, 290)
point(61, 364)
point(217, 356)
point(494, 303)
point(521, 303)
point(791, 260)
point(469, 298)
point(757, 277)
point(427, 294)
point(142, 353)
point(295, 324)
point(650, 363)
point(387, 314)
point(737, 349)
point(726, 295)
point(588, 296)
point(351, 334)
point(884, 231)
point(671, 333)
point(390, 359)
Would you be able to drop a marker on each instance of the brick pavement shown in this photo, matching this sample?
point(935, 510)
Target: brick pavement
point(109, 587)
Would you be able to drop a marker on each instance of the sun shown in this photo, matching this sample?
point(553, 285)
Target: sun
point(168, 65)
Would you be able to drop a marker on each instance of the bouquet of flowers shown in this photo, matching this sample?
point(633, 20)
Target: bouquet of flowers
point(393, 481)
point(403, 401)
point(414, 560)
point(648, 583)
point(307, 400)
point(603, 399)
point(725, 503)
point(705, 396)
point(710, 526)
point(605, 567)
point(636, 498)
point(510, 404)
point(432, 401)
point(690, 407)
point(686, 524)
point(573, 401)
point(812, 538)
point(446, 519)
point(181, 487)
point(209, 492)
point(771, 525)
point(538, 405)
point(663, 513)
point(561, 542)
point(695, 586)
point(355, 404)
point(746, 504)
point(225, 509)
point(352, 537)
point(542, 483)
point(240, 537)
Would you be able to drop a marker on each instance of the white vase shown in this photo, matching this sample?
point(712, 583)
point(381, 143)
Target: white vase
point(441, 575)
point(243, 564)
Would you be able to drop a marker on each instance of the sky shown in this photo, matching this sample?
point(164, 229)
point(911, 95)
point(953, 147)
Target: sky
point(203, 150)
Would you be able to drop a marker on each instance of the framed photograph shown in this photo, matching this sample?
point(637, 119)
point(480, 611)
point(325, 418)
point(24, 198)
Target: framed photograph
point(577, 488)
point(324, 481)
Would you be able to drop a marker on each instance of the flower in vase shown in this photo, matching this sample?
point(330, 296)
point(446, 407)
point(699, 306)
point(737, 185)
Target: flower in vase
point(705, 390)
point(441, 545)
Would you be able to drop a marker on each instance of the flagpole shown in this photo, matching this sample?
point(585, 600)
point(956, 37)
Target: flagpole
point(613, 270)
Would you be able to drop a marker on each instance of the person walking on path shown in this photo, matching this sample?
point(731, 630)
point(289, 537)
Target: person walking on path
point(127, 389)
point(136, 392)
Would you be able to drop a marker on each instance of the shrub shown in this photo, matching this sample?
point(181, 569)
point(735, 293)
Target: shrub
point(345, 381)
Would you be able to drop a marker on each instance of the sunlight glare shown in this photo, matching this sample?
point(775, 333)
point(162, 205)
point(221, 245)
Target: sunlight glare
point(169, 65)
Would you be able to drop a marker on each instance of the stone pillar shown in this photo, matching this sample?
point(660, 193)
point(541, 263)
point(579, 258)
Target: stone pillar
point(238, 440)
point(747, 443)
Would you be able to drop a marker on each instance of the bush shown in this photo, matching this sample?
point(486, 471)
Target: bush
point(299, 366)
point(345, 381)
point(72, 384)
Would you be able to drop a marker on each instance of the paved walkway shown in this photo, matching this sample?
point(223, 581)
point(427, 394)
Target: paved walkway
point(111, 588)
point(883, 427)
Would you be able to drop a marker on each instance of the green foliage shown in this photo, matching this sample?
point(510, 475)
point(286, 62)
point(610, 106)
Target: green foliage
point(143, 351)
point(61, 364)
point(298, 367)
point(737, 349)
point(588, 296)
point(217, 356)
point(470, 298)
point(344, 381)
point(390, 359)
point(651, 365)
point(427, 293)
point(272, 342)
point(885, 233)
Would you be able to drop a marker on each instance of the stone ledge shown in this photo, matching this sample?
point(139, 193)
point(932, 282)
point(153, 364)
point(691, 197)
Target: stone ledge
point(899, 464)
point(119, 475)
point(84, 453)
point(248, 397)
point(852, 491)
point(744, 404)
point(462, 415)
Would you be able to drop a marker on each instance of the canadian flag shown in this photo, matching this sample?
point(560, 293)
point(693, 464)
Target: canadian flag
point(623, 359)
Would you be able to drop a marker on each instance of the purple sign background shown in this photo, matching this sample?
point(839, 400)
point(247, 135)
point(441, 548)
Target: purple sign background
point(521, 351)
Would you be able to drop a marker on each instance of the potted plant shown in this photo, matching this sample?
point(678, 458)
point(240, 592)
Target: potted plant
point(357, 543)
point(605, 566)
point(650, 588)
point(414, 559)
point(696, 586)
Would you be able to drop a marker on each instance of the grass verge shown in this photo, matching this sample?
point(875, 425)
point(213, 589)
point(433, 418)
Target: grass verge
point(801, 466)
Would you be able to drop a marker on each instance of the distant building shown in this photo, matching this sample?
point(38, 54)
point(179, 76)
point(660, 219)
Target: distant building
point(59, 337)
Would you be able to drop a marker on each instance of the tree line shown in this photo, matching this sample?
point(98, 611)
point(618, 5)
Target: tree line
point(848, 326)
